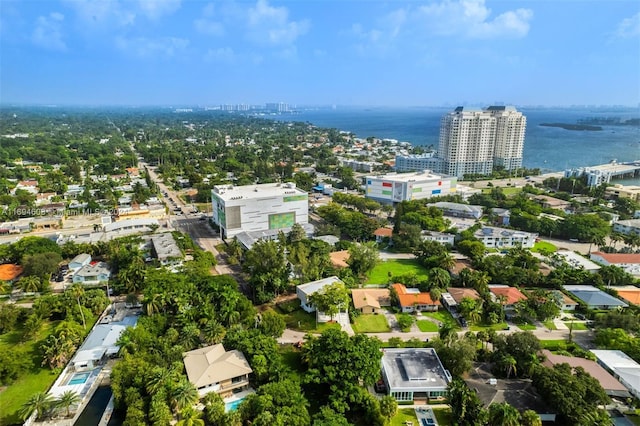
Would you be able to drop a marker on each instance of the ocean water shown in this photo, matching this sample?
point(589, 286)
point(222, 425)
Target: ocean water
point(547, 148)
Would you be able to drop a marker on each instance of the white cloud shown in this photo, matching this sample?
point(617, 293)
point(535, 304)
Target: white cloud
point(154, 9)
point(270, 25)
point(471, 18)
point(48, 32)
point(144, 47)
point(629, 27)
point(207, 24)
point(221, 54)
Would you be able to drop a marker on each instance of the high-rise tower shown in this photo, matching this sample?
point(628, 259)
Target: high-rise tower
point(472, 141)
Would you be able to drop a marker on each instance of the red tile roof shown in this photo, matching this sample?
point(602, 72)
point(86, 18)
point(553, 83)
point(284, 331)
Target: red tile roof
point(383, 232)
point(409, 299)
point(511, 294)
point(9, 272)
point(616, 258)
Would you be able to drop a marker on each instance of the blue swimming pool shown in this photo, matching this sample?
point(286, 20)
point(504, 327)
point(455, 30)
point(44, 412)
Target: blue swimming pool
point(79, 378)
point(233, 405)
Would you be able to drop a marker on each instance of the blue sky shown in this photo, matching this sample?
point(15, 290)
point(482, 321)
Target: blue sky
point(346, 52)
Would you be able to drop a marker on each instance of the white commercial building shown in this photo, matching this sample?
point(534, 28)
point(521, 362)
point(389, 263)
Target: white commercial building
point(394, 188)
point(472, 141)
point(262, 207)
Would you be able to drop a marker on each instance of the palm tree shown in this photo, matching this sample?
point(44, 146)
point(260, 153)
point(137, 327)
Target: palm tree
point(509, 365)
point(77, 291)
point(439, 278)
point(29, 284)
point(435, 294)
point(183, 394)
point(530, 418)
point(503, 414)
point(67, 399)
point(213, 332)
point(447, 333)
point(160, 378)
point(40, 402)
point(446, 262)
point(190, 417)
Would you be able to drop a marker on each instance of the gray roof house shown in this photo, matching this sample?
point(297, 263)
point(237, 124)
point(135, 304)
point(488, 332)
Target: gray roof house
point(594, 298)
point(165, 249)
point(414, 373)
point(79, 261)
point(304, 291)
point(93, 274)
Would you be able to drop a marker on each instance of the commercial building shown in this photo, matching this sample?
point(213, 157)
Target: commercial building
point(212, 369)
point(258, 207)
point(394, 188)
point(472, 141)
point(412, 374)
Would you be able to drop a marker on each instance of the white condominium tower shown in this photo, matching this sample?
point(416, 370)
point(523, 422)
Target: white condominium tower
point(472, 141)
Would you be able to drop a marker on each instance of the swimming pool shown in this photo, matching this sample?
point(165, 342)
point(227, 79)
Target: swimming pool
point(79, 378)
point(233, 405)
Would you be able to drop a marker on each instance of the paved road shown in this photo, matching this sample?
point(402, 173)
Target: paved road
point(581, 337)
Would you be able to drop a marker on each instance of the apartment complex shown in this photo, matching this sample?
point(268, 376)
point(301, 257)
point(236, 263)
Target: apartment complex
point(473, 141)
point(262, 207)
point(394, 188)
point(417, 162)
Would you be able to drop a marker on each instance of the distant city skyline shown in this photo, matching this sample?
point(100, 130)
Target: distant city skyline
point(346, 53)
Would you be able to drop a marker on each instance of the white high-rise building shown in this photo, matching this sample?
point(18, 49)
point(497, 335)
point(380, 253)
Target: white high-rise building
point(472, 141)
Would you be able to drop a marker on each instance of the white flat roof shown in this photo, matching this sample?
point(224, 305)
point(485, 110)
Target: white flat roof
point(409, 177)
point(577, 261)
point(230, 192)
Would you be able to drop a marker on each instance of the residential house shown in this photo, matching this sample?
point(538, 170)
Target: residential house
point(166, 250)
point(627, 227)
point(507, 296)
point(31, 186)
point(630, 293)
point(623, 368)
point(501, 217)
point(565, 302)
point(577, 261)
point(413, 300)
point(382, 233)
point(595, 298)
point(502, 238)
point(414, 374)
point(339, 258)
point(98, 346)
point(438, 237)
point(93, 273)
point(609, 383)
point(629, 262)
point(548, 202)
point(370, 300)
point(458, 209)
point(454, 296)
point(212, 369)
point(304, 291)
point(79, 261)
point(9, 273)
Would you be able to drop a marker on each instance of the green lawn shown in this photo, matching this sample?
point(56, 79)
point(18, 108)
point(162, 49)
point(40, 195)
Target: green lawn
point(380, 274)
point(301, 320)
point(443, 416)
point(371, 323)
point(38, 379)
point(543, 246)
point(442, 316)
point(550, 325)
point(427, 326)
point(526, 326)
point(292, 358)
point(482, 327)
point(577, 325)
point(506, 190)
point(403, 415)
point(553, 345)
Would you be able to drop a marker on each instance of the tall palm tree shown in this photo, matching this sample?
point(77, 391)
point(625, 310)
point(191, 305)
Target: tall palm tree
point(40, 403)
point(509, 365)
point(77, 291)
point(439, 278)
point(503, 414)
point(183, 394)
point(190, 417)
point(29, 284)
point(67, 399)
point(446, 262)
